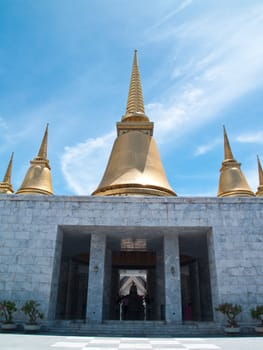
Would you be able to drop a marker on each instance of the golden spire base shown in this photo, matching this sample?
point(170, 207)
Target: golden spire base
point(5, 185)
point(134, 168)
point(38, 177)
point(232, 182)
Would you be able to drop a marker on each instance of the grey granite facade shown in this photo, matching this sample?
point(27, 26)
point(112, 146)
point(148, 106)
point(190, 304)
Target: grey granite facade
point(31, 239)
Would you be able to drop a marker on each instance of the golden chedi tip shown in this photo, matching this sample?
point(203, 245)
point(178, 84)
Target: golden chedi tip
point(135, 104)
point(232, 182)
point(134, 166)
point(259, 192)
point(227, 149)
point(5, 185)
point(38, 177)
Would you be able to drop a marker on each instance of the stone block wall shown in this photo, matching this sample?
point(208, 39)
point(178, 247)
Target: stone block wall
point(31, 238)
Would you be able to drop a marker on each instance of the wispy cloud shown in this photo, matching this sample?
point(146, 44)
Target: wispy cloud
point(171, 14)
point(256, 137)
point(84, 163)
point(226, 62)
point(203, 149)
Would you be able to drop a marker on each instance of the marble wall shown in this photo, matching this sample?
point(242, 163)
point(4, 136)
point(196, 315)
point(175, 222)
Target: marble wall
point(31, 233)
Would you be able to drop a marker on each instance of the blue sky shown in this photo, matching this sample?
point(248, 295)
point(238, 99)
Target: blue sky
point(68, 63)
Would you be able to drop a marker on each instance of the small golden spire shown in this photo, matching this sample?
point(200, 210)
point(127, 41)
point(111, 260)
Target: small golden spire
point(42, 153)
point(227, 149)
point(38, 177)
point(259, 192)
point(135, 105)
point(232, 182)
point(5, 185)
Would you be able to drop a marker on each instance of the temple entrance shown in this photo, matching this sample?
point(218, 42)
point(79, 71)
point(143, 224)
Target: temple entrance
point(132, 298)
point(134, 278)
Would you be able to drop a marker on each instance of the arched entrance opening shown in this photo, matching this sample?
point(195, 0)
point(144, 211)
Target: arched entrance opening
point(132, 298)
point(134, 278)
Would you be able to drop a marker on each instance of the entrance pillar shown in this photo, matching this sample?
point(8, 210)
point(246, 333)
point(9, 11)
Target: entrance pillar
point(159, 289)
point(173, 305)
point(96, 278)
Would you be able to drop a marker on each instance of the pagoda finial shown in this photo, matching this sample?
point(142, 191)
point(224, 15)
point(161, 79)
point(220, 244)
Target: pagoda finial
point(38, 177)
point(42, 153)
point(7, 177)
point(135, 104)
point(5, 185)
point(227, 149)
point(259, 192)
point(232, 182)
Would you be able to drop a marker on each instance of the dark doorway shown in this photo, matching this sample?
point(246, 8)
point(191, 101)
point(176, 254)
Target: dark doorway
point(73, 277)
point(195, 278)
point(132, 296)
point(133, 272)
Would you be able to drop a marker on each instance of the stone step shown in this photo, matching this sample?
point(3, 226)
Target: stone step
point(136, 328)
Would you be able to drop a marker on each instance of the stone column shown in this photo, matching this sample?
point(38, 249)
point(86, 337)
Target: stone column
point(96, 278)
point(159, 287)
point(173, 305)
point(107, 295)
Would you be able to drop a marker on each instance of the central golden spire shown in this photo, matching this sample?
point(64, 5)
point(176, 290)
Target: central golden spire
point(232, 182)
point(135, 105)
point(134, 166)
point(38, 177)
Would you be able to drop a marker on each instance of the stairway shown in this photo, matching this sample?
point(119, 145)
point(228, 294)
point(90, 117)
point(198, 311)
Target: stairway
point(135, 328)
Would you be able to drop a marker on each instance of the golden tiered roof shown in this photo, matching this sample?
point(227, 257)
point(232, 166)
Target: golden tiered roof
point(5, 185)
point(232, 182)
point(259, 192)
point(134, 166)
point(38, 177)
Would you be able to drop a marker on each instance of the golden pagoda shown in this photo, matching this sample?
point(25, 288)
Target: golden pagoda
point(38, 177)
point(259, 192)
point(232, 182)
point(134, 166)
point(5, 185)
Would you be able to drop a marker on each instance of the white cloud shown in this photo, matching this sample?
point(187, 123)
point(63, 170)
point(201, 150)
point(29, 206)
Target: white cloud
point(176, 117)
point(203, 149)
point(83, 164)
point(256, 137)
point(171, 14)
point(226, 62)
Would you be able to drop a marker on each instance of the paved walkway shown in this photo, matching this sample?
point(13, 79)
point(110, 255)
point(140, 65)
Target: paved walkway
point(55, 342)
point(94, 343)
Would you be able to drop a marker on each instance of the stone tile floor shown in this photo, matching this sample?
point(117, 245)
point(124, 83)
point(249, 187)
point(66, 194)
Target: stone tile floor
point(97, 343)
